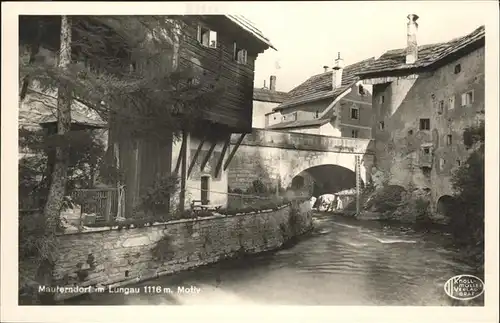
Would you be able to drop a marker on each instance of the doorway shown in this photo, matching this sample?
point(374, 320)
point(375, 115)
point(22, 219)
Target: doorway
point(205, 187)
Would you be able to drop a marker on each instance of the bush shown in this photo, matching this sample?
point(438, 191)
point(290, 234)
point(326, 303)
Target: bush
point(468, 185)
point(157, 196)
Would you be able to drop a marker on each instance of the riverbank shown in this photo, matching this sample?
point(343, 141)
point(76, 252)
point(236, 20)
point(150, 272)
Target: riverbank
point(338, 263)
point(117, 258)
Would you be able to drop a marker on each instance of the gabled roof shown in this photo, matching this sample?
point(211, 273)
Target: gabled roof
point(250, 27)
point(319, 86)
point(266, 95)
point(41, 108)
point(428, 55)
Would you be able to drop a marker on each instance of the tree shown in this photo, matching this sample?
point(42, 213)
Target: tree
point(64, 97)
point(468, 185)
point(121, 67)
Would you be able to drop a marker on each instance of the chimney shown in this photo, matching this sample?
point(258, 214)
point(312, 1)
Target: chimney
point(337, 72)
point(272, 83)
point(325, 68)
point(264, 87)
point(411, 46)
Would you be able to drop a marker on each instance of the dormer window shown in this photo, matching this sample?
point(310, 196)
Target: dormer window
point(240, 54)
point(207, 37)
point(361, 90)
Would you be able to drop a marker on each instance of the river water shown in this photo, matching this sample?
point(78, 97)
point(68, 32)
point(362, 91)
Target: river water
point(341, 262)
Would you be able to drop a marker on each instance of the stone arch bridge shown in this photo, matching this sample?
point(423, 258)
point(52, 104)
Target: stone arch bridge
point(277, 158)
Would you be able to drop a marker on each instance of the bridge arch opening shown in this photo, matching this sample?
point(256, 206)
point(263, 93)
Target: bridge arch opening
point(325, 179)
point(444, 205)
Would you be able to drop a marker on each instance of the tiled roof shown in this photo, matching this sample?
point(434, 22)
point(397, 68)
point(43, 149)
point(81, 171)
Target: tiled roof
point(319, 86)
point(38, 108)
point(394, 60)
point(250, 27)
point(265, 95)
point(299, 124)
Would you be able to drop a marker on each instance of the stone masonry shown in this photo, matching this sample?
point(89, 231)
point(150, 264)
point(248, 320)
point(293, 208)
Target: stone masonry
point(120, 257)
point(277, 157)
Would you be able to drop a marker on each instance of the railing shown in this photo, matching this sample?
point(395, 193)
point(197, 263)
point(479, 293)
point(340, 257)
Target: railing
point(245, 200)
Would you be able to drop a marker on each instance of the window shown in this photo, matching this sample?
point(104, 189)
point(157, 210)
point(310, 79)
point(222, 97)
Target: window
point(316, 114)
point(295, 116)
point(284, 117)
point(441, 107)
point(381, 99)
point(467, 98)
point(207, 37)
point(451, 103)
point(410, 132)
point(459, 162)
point(442, 162)
point(427, 150)
point(274, 117)
point(381, 125)
point(425, 124)
point(458, 68)
point(205, 190)
point(355, 113)
point(355, 133)
point(240, 54)
point(361, 90)
point(448, 140)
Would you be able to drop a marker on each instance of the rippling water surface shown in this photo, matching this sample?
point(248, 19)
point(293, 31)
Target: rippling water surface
point(342, 262)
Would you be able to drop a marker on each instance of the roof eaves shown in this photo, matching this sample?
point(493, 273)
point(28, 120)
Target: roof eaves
point(248, 26)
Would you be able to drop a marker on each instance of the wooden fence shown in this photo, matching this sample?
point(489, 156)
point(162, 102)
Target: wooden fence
point(101, 201)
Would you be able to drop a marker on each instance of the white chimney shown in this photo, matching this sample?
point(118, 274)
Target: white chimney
point(272, 83)
point(265, 87)
point(325, 68)
point(337, 72)
point(411, 39)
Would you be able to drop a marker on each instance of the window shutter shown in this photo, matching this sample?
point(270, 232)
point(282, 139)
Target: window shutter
point(199, 33)
point(464, 99)
point(245, 52)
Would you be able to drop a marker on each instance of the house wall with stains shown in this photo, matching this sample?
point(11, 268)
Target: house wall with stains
point(422, 154)
point(260, 109)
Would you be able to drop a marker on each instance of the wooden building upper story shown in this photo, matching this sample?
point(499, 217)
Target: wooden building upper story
point(220, 48)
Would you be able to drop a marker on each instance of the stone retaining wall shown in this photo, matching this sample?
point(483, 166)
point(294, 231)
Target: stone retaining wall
point(120, 257)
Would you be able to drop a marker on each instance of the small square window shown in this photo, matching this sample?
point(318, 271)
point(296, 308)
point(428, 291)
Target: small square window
point(207, 37)
point(467, 98)
point(458, 68)
point(240, 54)
point(441, 107)
point(427, 151)
point(451, 102)
point(354, 113)
point(381, 125)
point(425, 124)
point(355, 133)
point(448, 140)
point(361, 90)
point(442, 163)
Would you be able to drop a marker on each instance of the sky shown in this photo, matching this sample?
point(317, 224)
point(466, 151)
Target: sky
point(309, 35)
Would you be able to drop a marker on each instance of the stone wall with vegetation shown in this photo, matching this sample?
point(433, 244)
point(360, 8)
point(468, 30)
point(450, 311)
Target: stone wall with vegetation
point(120, 256)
